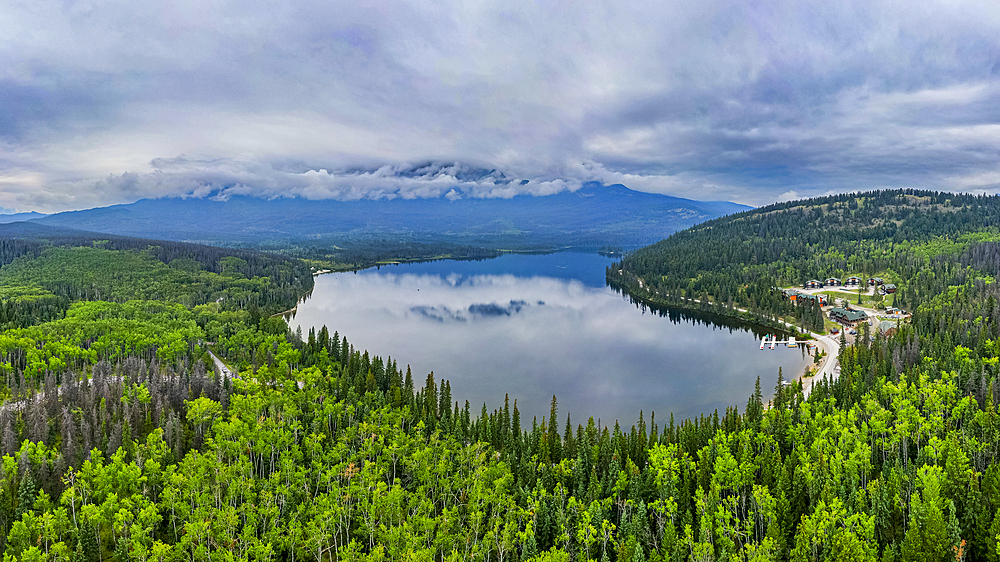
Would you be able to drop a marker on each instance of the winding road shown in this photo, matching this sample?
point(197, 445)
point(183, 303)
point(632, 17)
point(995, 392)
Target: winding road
point(223, 370)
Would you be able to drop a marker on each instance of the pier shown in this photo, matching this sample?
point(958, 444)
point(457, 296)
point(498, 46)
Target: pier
point(773, 342)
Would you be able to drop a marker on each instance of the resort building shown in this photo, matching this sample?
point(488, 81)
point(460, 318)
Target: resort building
point(848, 317)
point(813, 284)
point(832, 281)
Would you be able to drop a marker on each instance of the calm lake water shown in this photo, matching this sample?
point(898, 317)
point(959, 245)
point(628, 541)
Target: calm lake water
point(533, 326)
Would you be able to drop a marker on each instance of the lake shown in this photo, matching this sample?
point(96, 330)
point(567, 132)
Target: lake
point(537, 325)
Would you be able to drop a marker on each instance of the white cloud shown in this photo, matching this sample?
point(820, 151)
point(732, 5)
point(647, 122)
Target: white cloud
point(790, 195)
point(711, 100)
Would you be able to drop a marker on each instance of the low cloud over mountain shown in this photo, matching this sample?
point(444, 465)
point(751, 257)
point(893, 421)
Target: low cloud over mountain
point(479, 207)
point(721, 100)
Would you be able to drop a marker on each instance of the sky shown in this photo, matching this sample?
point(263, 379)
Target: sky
point(753, 102)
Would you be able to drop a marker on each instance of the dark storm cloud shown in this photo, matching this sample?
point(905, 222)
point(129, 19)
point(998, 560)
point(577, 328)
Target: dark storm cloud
point(722, 99)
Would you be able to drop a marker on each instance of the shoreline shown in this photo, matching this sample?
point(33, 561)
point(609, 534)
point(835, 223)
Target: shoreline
point(497, 253)
point(829, 366)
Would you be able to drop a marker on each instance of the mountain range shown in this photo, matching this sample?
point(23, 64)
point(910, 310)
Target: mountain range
point(593, 214)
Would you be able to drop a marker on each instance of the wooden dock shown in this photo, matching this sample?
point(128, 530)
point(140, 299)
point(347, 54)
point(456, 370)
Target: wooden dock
point(774, 343)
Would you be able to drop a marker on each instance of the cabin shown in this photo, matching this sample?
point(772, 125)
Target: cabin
point(847, 317)
point(875, 281)
point(853, 280)
point(888, 289)
point(813, 284)
point(820, 299)
point(832, 281)
point(795, 296)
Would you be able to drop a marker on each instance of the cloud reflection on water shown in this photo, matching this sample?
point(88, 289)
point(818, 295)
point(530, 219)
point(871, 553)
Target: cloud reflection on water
point(534, 337)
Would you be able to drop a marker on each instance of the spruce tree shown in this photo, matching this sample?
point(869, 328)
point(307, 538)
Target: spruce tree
point(555, 447)
point(755, 406)
point(779, 390)
point(27, 492)
point(430, 399)
point(408, 384)
point(927, 535)
point(444, 405)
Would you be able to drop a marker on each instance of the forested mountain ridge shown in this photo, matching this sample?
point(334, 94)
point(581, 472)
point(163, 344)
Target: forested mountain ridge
point(121, 443)
point(45, 269)
point(917, 239)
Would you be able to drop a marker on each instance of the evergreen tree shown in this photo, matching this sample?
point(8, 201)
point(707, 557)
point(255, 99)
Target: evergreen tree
point(552, 436)
point(927, 535)
point(755, 405)
point(27, 492)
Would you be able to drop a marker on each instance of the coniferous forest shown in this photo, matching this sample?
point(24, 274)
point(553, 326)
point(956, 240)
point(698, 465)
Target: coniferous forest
point(121, 440)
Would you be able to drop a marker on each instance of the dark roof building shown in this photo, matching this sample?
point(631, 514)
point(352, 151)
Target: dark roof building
point(848, 317)
point(888, 288)
point(821, 299)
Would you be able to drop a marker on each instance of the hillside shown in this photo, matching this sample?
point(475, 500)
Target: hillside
point(45, 269)
point(594, 215)
point(915, 238)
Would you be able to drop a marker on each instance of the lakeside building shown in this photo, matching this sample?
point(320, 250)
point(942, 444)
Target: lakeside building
point(795, 296)
point(848, 317)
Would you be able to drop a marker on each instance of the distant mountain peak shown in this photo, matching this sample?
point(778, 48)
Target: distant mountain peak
point(18, 217)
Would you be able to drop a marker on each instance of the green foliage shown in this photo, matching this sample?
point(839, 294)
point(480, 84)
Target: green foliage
point(94, 331)
point(302, 455)
point(927, 535)
point(89, 273)
point(118, 445)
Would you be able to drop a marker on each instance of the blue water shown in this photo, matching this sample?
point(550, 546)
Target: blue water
point(536, 325)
